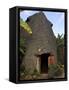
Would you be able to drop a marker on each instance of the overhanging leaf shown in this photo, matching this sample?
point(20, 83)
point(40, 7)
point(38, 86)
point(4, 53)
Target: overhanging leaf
point(25, 26)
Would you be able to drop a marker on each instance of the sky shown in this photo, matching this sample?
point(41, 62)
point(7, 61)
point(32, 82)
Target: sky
point(56, 18)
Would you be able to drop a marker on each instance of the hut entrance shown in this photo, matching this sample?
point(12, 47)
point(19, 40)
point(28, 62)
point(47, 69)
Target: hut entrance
point(44, 62)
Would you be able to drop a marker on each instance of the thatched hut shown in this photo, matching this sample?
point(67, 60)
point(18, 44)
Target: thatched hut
point(41, 45)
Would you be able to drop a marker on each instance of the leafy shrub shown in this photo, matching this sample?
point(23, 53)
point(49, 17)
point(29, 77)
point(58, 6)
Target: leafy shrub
point(35, 74)
point(26, 75)
point(55, 70)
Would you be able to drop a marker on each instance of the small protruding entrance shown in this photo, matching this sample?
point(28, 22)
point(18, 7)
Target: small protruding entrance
point(44, 62)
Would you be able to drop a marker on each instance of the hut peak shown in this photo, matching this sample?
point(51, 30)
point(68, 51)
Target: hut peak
point(39, 15)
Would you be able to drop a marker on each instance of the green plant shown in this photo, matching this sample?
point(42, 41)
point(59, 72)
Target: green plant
point(25, 26)
point(60, 40)
point(22, 69)
point(22, 48)
point(24, 74)
point(60, 48)
point(35, 72)
point(55, 70)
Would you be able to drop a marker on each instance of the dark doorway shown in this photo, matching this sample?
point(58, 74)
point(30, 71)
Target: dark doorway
point(44, 62)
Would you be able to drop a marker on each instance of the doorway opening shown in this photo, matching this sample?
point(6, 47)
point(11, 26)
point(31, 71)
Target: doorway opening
point(44, 62)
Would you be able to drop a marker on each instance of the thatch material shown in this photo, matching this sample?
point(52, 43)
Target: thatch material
point(42, 40)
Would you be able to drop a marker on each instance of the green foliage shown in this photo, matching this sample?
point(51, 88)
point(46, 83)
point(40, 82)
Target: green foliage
point(25, 26)
point(22, 49)
point(22, 69)
point(22, 41)
point(22, 45)
point(35, 72)
point(60, 40)
point(55, 70)
point(60, 46)
point(26, 75)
